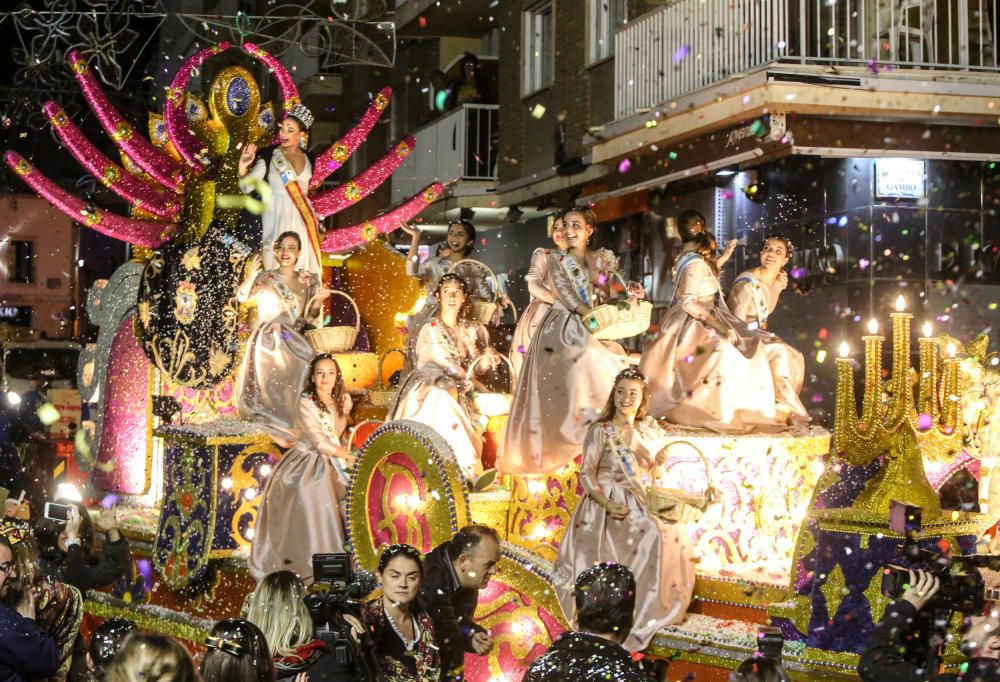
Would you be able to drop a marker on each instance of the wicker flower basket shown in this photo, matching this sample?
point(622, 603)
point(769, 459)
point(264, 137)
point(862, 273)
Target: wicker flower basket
point(681, 506)
point(381, 396)
point(336, 339)
point(493, 404)
point(611, 322)
point(480, 310)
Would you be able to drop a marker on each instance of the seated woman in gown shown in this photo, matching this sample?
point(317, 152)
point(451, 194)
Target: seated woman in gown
point(541, 297)
point(566, 374)
point(300, 511)
point(438, 393)
point(707, 368)
point(277, 358)
point(753, 297)
point(612, 522)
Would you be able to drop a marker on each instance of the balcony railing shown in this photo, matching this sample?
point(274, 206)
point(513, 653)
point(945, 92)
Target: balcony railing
point(461, 145)
point(691, 44)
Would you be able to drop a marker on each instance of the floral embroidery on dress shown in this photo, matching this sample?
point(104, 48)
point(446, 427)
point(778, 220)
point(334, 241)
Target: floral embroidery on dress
point(425, 653)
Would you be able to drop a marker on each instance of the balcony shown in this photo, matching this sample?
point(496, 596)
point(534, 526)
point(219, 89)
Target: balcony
point(461, 145)
point(692, 44)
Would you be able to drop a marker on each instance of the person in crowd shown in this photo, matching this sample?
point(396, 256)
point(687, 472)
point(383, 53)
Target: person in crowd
point(612, 522)
point(236, 652)
point(458, 245)
point(151, 658)
point(691, 223)
point(454, 573)
point(67, 549)
point(402, 633)
point(706, 368)
point(276, 364)
point(450, 352)
point(541, 297)
point(277, 606)
point(470, 87)
point(898, 648)
point(566, 374)
point(604, 596)
point(752, 299)
point(300, 512)
point(288, 169)
point(759, 669)
point(27, 652)
point(105, 643)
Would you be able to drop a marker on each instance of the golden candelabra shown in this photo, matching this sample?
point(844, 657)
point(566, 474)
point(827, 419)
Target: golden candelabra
point(892, 423)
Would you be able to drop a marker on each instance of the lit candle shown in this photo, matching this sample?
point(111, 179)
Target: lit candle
point(928, 330)
point(900, 303)
point(901, 387)
point(844, 350)
point(872, 327)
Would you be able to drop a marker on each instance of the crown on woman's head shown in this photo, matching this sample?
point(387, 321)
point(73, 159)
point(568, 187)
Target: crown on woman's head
point(301, 113)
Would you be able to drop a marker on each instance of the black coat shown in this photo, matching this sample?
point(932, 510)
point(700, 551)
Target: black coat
point(75, 568)
point(26, 652)
point(451, 608)
point(883, 659)
point(582, 657)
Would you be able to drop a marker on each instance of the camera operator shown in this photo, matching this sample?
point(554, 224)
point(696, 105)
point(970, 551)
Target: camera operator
point(604, 596)
point(900, 640)
point(454, 572)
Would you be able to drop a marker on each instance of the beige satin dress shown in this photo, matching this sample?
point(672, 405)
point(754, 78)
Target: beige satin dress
point(433, 393)
point(541, 302)
point(658, 553)
point(300, 511)
point(565, 380)
point(753, 301)
point(696, 376)
point(277, 356)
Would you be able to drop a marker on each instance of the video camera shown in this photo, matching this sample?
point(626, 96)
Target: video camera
point(333, 604)
point(962, 586)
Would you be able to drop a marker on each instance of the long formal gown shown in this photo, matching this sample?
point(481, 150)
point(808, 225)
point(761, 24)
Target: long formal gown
point(300, 511)
point(753, 301)
point(277, 355)
point(658, 553)
point(430, 394)
point(282, 215)
point(541, 302)
point(565, 380)
point(696, 376)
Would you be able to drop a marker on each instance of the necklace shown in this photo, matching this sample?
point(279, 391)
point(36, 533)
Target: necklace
point(409, 646)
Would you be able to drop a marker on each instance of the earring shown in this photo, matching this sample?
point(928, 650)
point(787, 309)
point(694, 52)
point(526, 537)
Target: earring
point(304, 140)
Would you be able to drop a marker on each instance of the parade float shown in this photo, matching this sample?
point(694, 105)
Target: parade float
point(796, 533)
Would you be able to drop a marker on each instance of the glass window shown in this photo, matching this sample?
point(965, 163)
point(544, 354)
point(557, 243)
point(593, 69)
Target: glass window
point(607, 16)
point(537, 44)
point(18, 260)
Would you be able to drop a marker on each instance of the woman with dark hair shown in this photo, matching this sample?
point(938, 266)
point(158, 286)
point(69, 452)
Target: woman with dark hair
point(612, 522)
point(151, 658)
point(470, 87)
point(66, 549)
point(300, 511)
point(236, 652)
point(706, 368)
point(402, 633)
point(450, 352)
point(277, 357)
point(567, 373)
point(288, 169)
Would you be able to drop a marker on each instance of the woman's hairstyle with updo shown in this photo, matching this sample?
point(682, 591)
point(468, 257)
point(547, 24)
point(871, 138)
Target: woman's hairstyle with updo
point(470, 232)
point(283, 235)
point(706, 247)
point(588, 214)
point(339, 390)
point(609, 407)
point(780, 238)
point(400, 550)
point(451, 277)
point(277, 606)
point(151, 658)
point(237, 652)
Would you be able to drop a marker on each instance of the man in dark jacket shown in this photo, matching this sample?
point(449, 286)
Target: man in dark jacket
point(453, 575)
point(26, 652)
point(605, 607)
point(886, 659)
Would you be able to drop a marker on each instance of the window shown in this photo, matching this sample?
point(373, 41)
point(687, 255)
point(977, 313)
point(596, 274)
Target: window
point(18, 264)
point(606, 17)
point(537, 46)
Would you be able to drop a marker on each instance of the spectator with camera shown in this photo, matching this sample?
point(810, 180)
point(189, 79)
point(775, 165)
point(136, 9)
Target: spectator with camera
point(277, 606)
point(67, 548)
point(454, 573)
point(26, 651)
point(403, 635)
point(604, 596)
point(900, 649)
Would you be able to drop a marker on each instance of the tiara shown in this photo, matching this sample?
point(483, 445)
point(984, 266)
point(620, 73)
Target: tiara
point(15, 530)
point(301, 113)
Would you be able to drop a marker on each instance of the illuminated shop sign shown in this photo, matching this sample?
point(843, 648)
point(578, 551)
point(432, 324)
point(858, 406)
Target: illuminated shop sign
point(16, 314)
point(900, 179)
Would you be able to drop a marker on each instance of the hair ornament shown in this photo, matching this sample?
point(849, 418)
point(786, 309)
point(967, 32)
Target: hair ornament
point(225, 645)
point(301, 113)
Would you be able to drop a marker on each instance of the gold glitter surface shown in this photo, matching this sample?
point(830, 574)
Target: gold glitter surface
point(541, 508)
point(834, 588)
point(146, 622)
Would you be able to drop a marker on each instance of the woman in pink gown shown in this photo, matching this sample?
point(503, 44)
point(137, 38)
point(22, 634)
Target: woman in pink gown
point(567, 373)
point(753, 297)
point(449, 353)
point(300, 511)
point(706, 368)
point(612, 522)
point(541, 298)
